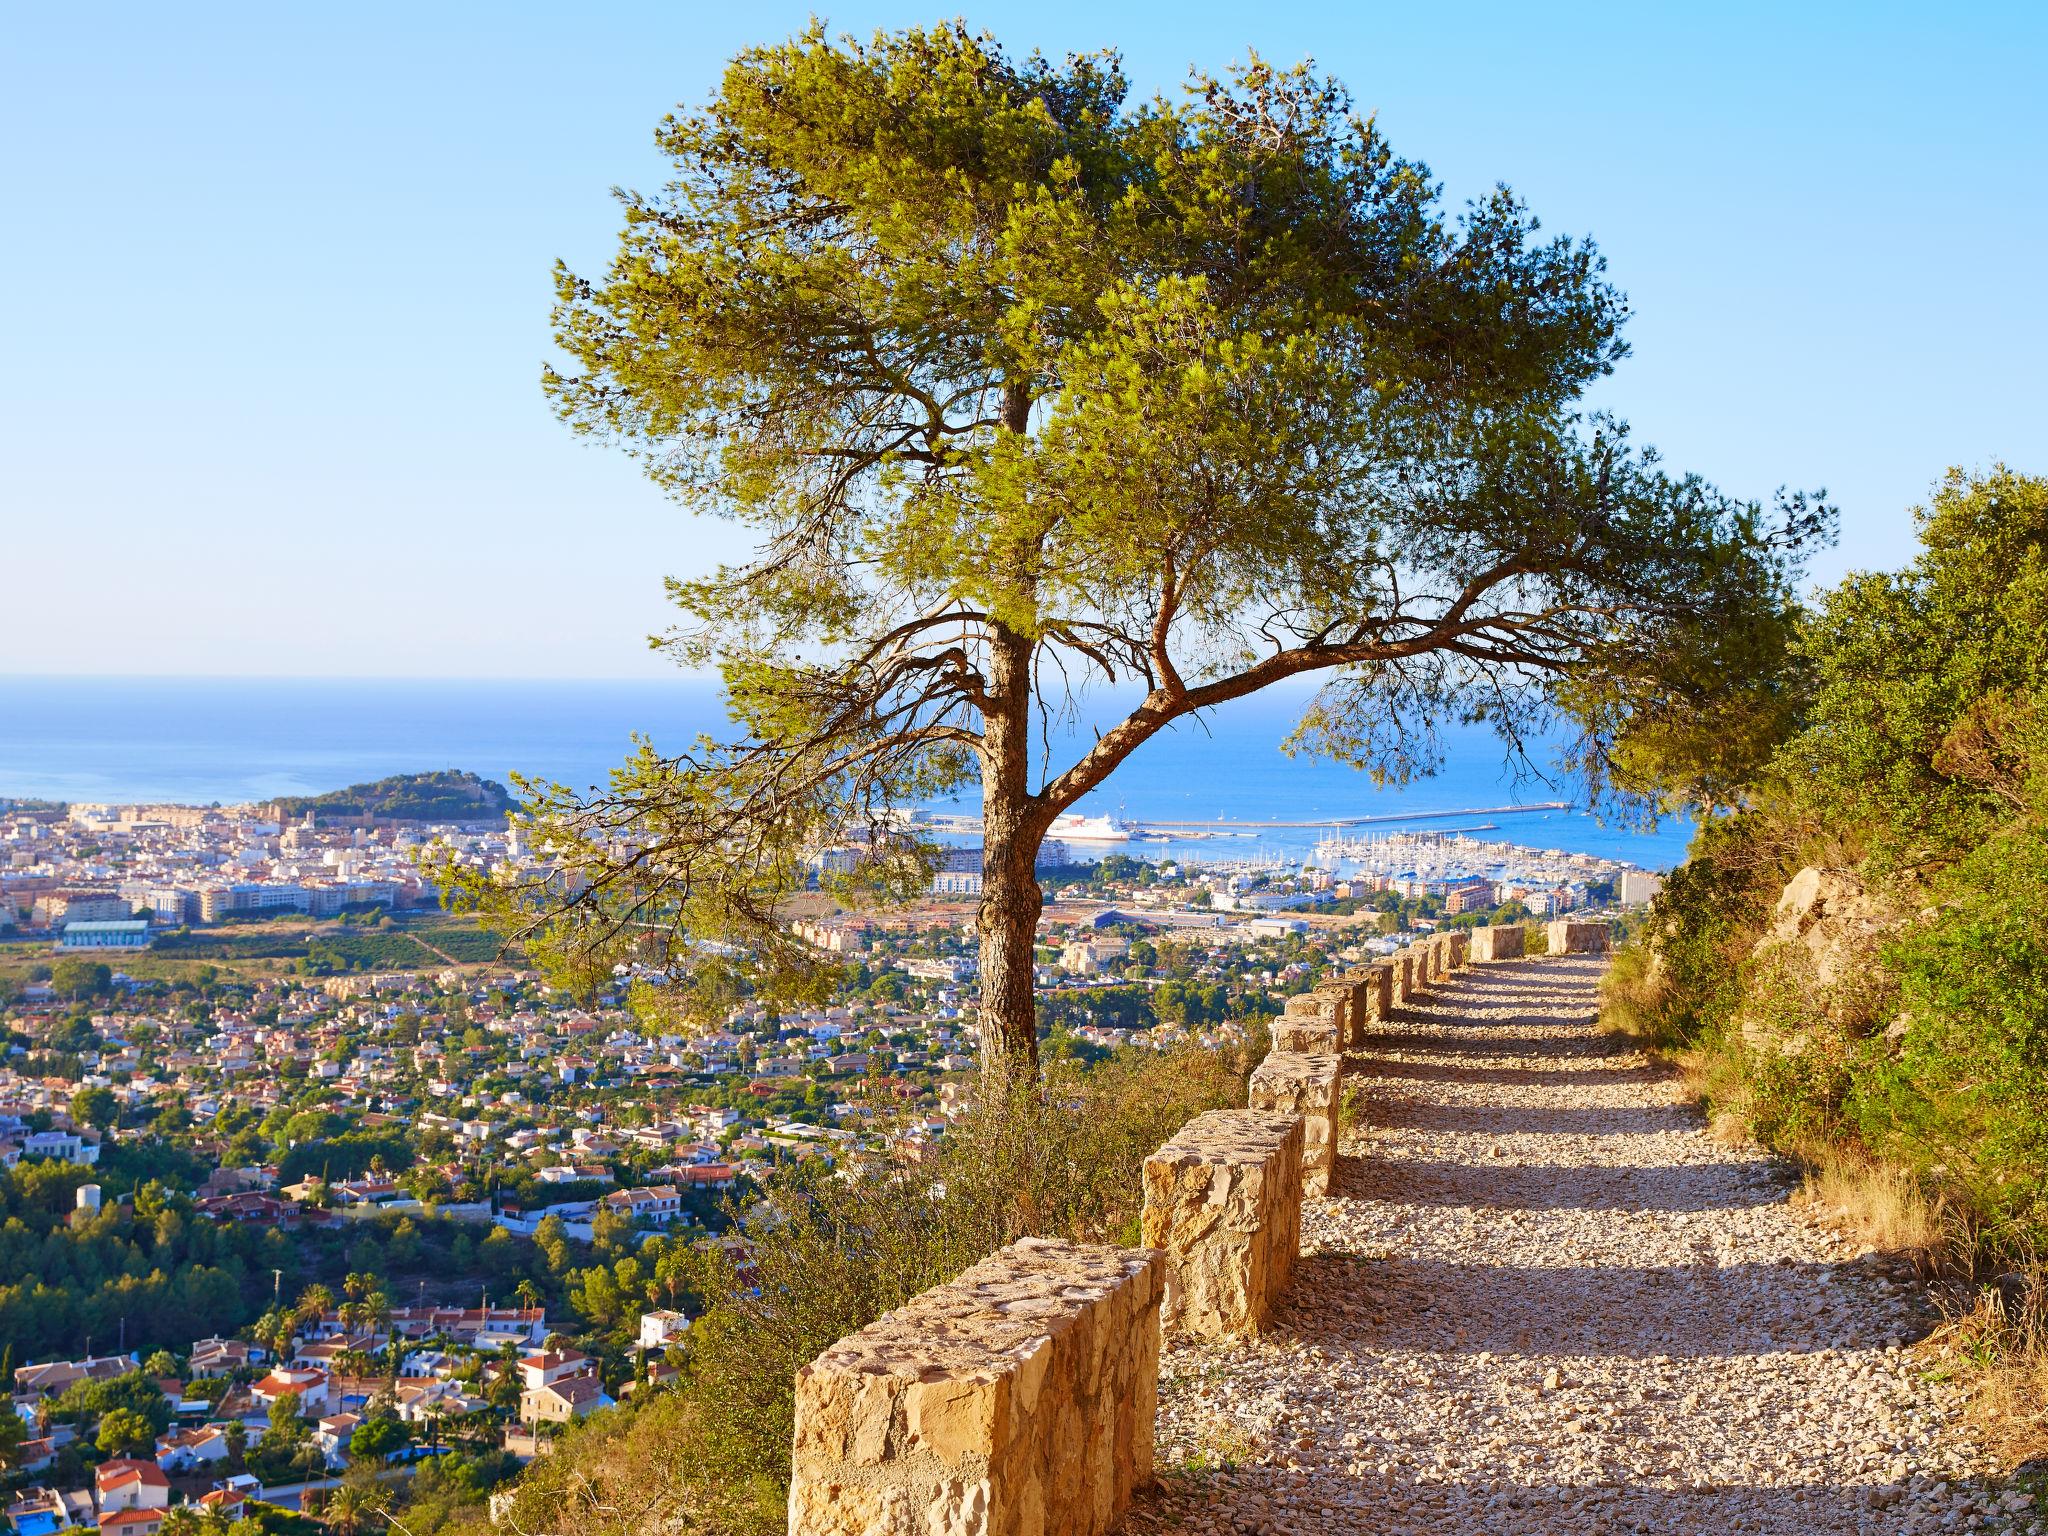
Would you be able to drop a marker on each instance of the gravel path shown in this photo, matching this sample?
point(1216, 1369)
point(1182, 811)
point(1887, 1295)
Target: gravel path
point(1542, 1298)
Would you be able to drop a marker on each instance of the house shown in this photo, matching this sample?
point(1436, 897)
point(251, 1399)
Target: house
point(658, 1328)
point(570, 1397)
point(545, 1367)
point(53, 1377)
point(39, 1454)
point(420, 1401)
point(185, 1450)
point(309, 1383)
point(46, 1509)
point(61, 1147)
point(479, 1327)
point(248, 1206)
point(223, 1357)
point(133, 1522)
point(559, 1385)
point(657, 1203)
point(128, 1483)
point(229, 1498)
point(332, 1434)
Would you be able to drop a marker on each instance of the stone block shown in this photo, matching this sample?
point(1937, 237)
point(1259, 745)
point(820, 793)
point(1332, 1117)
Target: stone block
point(1380, 989)
point(1343, 1008)
point(1307, 1022)
point(1461, 949)
point(1223, 1199)
point(1015, 1400)
point(1502, 941)
point(1307, 1084)
point(1361, 1006)
point(1403, 976)
point(1569, 938)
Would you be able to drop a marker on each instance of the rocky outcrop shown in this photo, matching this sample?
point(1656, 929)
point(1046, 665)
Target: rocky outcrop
point(1831, 917)
point(1818, 963)
point(1308, 1085)
point(1016, 1400)
point(1223, 1198)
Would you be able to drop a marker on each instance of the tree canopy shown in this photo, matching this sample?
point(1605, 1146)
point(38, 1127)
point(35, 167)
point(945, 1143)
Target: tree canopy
point(1029, 392)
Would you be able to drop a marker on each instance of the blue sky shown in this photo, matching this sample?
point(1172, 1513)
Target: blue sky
point(277, 283)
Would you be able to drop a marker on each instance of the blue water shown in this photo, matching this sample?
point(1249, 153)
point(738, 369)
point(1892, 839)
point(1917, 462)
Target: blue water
point(200, 741)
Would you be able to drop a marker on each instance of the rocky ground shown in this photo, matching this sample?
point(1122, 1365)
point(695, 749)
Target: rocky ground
point(1543, 1298)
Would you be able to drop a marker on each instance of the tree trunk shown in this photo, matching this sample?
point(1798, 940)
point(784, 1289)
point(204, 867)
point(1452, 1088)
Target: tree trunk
point(1011, 829)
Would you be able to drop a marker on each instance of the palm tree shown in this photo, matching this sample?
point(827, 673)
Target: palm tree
point(351, 1509)
point(315, 1301)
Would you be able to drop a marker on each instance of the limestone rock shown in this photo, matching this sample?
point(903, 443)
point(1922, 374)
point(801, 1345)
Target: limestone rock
point(1380, 990)
point(1830, 916)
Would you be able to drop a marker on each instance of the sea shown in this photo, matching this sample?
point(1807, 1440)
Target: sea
point(222, 741)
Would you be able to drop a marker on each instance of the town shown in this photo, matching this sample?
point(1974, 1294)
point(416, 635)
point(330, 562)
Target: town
point(309, 1181)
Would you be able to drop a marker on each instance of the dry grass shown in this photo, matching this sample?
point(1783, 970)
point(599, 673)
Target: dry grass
point(1884, 1207)
point(1998, 1348)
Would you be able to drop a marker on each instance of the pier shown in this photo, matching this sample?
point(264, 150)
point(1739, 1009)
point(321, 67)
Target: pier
point(1359, 821)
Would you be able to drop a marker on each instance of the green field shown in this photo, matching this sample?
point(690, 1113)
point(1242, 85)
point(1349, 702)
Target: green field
point(428, 941)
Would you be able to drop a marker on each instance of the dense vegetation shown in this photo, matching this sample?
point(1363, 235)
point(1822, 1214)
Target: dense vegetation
point(1907, 1028)
point(712, 1452)
point(441, 795)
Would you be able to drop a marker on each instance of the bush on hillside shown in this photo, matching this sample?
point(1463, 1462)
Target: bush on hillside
point(1920, 766)
point(828, 1255)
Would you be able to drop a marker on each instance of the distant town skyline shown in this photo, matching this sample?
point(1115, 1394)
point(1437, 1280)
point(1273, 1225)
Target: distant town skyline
point(281, 283)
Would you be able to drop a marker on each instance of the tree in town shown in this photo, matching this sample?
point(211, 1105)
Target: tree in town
point(1059, 420)
point(124, 1432)
point(375, 1439)
point(353, 1508)
point(78, 979)
point(95, 1107)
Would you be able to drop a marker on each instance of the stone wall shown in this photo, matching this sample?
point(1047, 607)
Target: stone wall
point(1569, 938)
point(1308, 1085)
point(1223, 1198)
point(1503, 941)
point(1016, 1400)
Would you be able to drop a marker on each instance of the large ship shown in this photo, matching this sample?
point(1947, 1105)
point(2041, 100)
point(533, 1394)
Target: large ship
point(1076, 828)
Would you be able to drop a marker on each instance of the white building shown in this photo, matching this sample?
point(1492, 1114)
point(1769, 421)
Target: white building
point(60, 1147)
point(1637, 887)
point(657, 1328)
